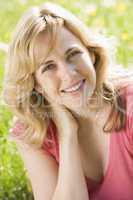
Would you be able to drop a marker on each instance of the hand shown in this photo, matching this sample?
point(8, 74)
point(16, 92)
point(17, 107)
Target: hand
point(65, 121)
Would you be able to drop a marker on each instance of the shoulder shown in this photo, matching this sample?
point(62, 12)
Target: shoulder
point(16, 132)
point(126, 92)
point(121, 77)
point(129, 106)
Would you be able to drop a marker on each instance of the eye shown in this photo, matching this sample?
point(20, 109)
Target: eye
point(48, 67)
point(74, 53)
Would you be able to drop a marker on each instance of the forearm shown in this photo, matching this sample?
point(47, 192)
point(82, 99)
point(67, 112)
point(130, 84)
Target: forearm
point(71, 181)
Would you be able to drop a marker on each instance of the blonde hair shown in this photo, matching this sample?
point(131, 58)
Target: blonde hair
point(19, 92)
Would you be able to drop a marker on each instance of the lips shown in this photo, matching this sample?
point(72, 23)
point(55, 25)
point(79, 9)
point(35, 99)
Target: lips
point(74, 86)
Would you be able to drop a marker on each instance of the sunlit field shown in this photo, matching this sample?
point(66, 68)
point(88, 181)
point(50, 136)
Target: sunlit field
point(112, 18)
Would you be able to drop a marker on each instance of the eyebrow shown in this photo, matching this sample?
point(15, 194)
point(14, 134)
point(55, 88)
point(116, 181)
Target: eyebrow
point(70, 49)
point(66, 53)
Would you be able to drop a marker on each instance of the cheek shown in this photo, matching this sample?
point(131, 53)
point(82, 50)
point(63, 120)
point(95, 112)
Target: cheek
point(86, 68)
point(50, 87)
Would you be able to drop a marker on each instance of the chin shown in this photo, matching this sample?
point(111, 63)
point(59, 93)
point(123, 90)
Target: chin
point(79, 108)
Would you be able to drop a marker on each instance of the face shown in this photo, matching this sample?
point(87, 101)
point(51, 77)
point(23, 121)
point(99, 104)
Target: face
point(66, 74)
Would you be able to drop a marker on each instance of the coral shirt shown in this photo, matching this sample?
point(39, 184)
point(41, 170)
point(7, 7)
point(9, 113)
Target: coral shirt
point(117, 183)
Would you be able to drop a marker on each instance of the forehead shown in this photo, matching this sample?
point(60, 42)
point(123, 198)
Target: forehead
point(64, 40)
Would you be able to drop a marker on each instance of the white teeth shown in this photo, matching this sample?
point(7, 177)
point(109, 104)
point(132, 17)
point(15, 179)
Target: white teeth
point(74, 88)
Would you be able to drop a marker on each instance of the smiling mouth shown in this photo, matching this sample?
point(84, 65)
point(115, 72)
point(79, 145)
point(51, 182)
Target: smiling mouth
point(75, 88)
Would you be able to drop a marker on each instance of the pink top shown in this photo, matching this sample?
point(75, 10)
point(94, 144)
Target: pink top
point(117, 183)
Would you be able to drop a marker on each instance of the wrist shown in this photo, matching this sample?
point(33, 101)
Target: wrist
point(68, 136)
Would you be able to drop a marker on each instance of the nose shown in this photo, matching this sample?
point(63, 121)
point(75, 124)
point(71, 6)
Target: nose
point(66, 70)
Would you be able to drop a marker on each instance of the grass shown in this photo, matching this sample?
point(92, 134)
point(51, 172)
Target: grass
point(113, 20)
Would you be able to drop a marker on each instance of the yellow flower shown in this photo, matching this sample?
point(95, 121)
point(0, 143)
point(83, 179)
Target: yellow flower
point(124, 36)
point(93, 14)
point(100, 23)
point(120, 7)
point(91, 10)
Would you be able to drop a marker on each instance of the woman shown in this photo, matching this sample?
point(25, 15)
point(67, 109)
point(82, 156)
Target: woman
point(74, 126)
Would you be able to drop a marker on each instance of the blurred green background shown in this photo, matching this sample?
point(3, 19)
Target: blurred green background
point(111, 17)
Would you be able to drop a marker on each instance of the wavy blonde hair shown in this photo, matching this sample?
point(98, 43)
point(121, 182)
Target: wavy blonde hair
point(19, 83)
